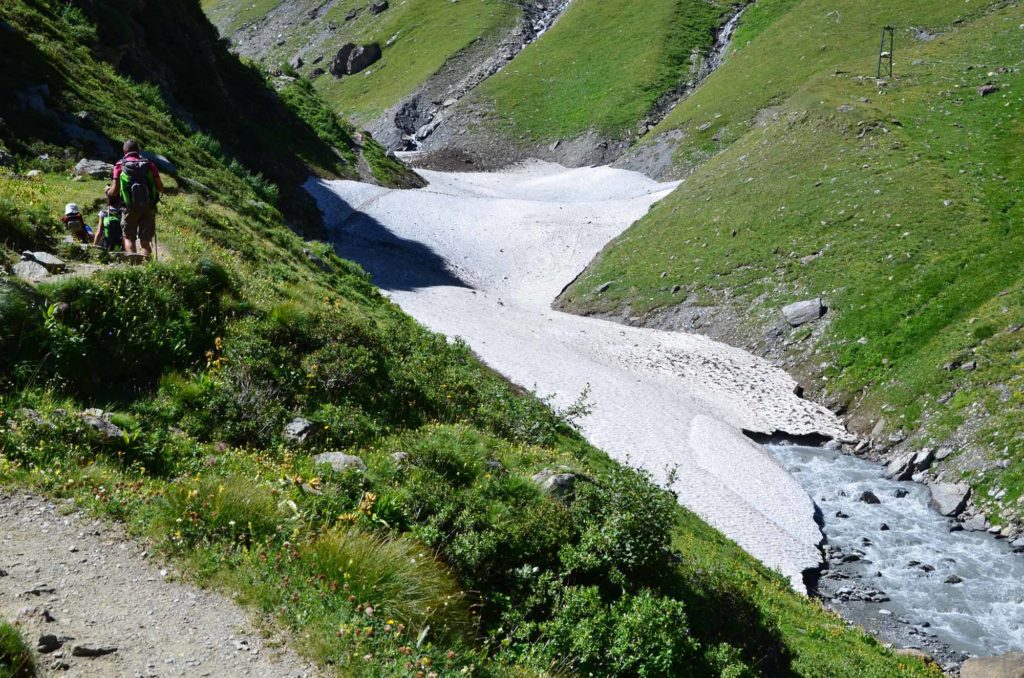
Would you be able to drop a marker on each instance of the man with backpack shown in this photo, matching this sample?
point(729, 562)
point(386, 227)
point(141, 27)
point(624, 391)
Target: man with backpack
point(138, 183)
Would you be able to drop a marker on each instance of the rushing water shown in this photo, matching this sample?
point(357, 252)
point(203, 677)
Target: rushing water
point(912, 560)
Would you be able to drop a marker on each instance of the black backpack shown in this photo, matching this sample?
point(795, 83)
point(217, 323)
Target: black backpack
point(137, 189)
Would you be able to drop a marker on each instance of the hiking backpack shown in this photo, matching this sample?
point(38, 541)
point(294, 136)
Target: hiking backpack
point(113, 236)
point(137, 187)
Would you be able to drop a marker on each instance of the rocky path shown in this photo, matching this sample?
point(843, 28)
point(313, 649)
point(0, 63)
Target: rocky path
point(82, 587)
point(481, 256)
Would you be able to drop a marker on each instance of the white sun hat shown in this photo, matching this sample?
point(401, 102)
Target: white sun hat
point(71, 208)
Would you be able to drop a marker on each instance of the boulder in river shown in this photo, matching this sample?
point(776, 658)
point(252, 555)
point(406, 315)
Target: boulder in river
point(869, 497)
point(900, 468)
point(1009, 665)
point(802, 312)
point(949, 499)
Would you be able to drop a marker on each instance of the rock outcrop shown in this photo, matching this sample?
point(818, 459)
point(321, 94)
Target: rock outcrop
point(352, 58)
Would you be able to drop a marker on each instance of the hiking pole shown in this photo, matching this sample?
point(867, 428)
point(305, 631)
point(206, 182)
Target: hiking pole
point(156, 248)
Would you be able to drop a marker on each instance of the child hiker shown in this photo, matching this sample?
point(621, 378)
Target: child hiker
point(108, 234)
point(75, 223)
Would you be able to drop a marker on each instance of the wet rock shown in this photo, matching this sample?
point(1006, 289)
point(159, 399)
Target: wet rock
point(52, 263)
point(802, 312)
point(949, 499)
point(298, 430)
point(976, 523)
point(339, 461)
point(30, 271)
point(869, 497)
point(840, 514)
point(560, 486)
point(1002, 666)
point(952, 579)
point(97, 169)
point(92, 650)
point(900, 492)
point(900, 468)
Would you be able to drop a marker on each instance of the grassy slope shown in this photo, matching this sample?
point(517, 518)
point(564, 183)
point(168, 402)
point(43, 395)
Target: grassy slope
point(208, 356)
point(911, 194)
point(16, 659)
point(601, 66)
point(429, 33)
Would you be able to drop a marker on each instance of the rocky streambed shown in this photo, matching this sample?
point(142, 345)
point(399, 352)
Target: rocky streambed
point(901, 569)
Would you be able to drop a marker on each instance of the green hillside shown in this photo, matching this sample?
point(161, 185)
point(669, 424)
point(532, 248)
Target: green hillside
point(426, 34)
point(602, 66)
point(200, 360)
point(897, 203)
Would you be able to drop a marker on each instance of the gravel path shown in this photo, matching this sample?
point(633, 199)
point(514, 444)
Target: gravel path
point(76, 577)
point(482, 256)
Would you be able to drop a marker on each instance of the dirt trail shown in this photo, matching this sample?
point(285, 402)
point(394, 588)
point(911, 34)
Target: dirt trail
point(101, 589)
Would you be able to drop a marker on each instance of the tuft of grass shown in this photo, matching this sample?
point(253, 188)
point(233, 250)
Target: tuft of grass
point(16, 660)
point(397, 577)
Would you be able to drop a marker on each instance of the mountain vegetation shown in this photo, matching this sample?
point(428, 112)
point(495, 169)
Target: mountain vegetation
point(190, 399)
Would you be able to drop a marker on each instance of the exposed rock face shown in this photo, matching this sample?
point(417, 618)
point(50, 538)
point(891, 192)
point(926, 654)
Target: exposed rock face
point(802, 312)
point(97, 169)
point(1004, 666)
point(340, 461)
point(949, 499)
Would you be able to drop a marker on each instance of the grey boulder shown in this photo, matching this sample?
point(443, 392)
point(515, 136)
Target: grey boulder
point(50, 262)
point(802, 312)
point(378, 7)
point(298, 430)
point(30, 271)
point(559, 486)
point(99, 421)
point(339, 461)
point(1009, 665)
point(352, 58)
point(97, 169)
point(162, 163)
point(949, 499)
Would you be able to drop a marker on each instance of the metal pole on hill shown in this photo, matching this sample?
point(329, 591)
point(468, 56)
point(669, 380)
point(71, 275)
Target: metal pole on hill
point(885, 55)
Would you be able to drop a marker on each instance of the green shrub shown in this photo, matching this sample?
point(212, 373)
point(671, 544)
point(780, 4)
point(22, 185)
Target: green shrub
point(637, 635)
point(397, 577)
point(15, 658)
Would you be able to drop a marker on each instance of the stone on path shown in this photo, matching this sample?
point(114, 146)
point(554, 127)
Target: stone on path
point(30, 271)
point(52, 263)
point(949, 499)
point(92, 650)
point(97, 169)
point(802, 312)
point(1009, 665)
point(340, 461)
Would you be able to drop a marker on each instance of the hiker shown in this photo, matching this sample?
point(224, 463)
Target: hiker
point(139, 187)
point(75, 223)
point(109, 234)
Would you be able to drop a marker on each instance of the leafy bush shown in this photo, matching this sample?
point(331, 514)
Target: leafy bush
point(15, 658)
point(638, 635)
point(397, 577)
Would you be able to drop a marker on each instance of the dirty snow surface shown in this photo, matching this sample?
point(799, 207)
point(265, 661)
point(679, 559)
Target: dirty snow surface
point(481, 256)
